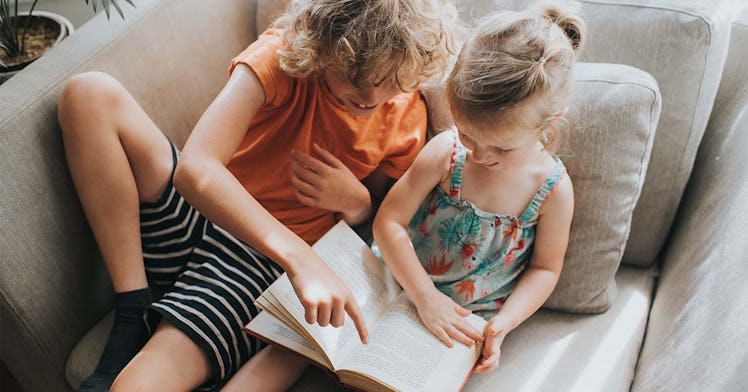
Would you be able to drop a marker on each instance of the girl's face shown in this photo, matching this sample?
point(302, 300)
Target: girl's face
point(359, 101)
point(504, 148)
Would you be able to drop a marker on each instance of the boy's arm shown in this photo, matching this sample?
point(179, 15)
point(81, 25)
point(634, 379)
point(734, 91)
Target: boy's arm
point(439, 115)
point(377, 183)
point(205, 182)
point(541, 275)
point(440, 314)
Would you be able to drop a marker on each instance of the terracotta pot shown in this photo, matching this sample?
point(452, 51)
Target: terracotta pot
point(65, 27)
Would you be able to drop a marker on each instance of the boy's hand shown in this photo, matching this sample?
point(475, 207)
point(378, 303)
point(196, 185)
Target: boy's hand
point(494, 332)
point(328, 183)
point(325, 297)
point(446, 319)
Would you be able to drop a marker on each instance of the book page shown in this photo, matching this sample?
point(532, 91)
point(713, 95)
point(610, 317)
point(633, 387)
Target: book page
point(372, 286)
point(405, 355)
point(270, 328)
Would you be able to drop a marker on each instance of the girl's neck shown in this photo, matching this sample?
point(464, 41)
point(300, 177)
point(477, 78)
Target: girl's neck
point(507, 190)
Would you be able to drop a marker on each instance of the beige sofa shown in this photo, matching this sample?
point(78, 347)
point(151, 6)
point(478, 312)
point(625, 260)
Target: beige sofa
point(662, 91)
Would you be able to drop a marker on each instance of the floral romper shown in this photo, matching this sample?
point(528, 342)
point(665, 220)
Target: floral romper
point(473, 256)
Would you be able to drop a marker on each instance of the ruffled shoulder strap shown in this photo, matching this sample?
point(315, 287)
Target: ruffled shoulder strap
point(544, 192)
point(459, 152)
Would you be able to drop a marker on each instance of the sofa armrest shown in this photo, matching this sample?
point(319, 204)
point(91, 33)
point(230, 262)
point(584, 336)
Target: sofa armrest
point(173, 56)
point(696, 336)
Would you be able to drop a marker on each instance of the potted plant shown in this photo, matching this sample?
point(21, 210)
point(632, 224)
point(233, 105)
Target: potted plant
point(27, 35)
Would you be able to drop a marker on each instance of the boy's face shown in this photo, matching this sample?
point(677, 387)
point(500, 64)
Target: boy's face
point(359, 101)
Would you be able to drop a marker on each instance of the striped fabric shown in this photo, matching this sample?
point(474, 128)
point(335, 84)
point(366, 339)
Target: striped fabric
point(213, 281)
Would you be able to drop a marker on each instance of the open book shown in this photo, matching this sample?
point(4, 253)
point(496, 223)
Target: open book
point(402, 355)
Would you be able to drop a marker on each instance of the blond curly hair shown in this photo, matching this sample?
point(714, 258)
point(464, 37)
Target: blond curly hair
point(406, 42)
point(513, 58)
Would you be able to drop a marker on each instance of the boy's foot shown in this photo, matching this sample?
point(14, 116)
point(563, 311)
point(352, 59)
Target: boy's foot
point(129, 334)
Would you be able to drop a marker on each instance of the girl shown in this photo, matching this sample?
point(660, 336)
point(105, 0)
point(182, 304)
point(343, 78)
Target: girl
point(315, 117)
point(485, 210)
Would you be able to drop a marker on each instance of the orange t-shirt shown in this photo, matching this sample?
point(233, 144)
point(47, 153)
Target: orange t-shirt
point(299, 112)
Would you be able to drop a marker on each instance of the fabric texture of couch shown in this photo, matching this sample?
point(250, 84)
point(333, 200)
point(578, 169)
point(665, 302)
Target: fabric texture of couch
point(656, 150)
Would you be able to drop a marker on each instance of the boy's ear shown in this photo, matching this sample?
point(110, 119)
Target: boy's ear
point(438, 112)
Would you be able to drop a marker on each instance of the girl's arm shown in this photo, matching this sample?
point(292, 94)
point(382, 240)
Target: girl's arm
point(541, 275)
point(439, 313)
point(202, 178)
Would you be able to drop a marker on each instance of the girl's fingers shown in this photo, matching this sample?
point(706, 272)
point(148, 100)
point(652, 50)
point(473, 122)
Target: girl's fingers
point(494, 358)
point(462, 311)
point(457, 335)
point(467, 329)
point(488, 364)
point(488, 347)
point(443, 336)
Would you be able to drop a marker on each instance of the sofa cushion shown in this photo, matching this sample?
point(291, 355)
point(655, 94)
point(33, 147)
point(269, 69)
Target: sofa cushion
point(683, 44)
point(613, 117)
point(555, 351)
point(698, 319)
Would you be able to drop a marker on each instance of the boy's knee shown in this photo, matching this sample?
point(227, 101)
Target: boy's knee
point(87, 91)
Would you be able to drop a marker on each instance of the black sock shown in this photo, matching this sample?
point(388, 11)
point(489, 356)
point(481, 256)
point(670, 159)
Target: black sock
point(128, 335)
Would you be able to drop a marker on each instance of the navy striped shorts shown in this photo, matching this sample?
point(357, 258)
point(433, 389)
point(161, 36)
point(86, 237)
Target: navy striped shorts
point(213, 278)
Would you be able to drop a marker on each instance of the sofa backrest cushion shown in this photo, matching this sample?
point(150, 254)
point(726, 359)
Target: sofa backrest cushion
point(173, 55)
point(613, 116)
point(696, 336)
point(683, 44)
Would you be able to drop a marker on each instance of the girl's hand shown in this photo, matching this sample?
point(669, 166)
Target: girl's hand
point(494, 333)
point(446, 319)
point(325, 297)
point(328, 183)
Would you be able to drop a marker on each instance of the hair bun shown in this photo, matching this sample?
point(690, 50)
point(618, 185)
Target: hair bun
point(572, 25)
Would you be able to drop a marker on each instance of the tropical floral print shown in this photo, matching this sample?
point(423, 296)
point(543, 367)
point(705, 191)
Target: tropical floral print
point(440, 267)
point(473, 256)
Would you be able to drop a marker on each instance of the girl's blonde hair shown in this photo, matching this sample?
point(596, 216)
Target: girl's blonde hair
point(512, 58)
point(406, 42)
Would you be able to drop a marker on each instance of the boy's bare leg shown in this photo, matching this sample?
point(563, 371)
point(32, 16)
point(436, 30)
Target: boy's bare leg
point(170, 361)
point(272, 369)
point(117, 158)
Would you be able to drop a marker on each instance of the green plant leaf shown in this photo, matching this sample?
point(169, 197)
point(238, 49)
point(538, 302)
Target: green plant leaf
point(119, 10)
point(107, 4)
